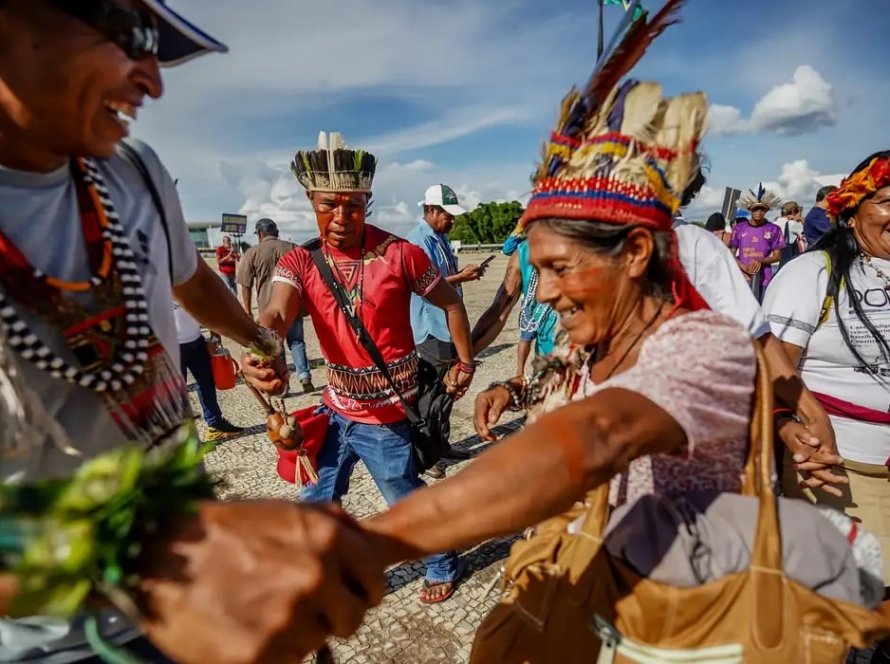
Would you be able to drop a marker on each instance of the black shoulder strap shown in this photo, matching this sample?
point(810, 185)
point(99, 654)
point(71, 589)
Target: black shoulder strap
point(130, 154)
point(361, 333)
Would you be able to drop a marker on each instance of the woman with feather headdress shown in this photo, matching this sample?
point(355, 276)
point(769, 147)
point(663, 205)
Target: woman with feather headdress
point(757, 242)
point(650, 399)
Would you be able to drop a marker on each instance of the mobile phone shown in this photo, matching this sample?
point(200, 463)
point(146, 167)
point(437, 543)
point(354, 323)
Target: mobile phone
point(486, 262)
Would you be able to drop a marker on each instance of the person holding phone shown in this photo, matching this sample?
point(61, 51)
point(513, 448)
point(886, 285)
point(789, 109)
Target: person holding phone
point(431, 335)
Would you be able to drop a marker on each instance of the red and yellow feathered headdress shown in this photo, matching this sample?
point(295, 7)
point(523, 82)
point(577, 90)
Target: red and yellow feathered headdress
point(859, 186)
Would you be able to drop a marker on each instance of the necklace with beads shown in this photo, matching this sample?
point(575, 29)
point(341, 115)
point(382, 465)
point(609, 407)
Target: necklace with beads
point(866, 260)
point(112, 349)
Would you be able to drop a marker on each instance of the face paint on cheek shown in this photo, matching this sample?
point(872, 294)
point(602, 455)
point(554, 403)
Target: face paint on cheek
point(590, 281)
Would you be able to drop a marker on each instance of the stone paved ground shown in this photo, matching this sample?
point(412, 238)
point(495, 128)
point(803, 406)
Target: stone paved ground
point(402, 629)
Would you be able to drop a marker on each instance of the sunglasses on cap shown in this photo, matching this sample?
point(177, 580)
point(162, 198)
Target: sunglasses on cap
point(134, 31)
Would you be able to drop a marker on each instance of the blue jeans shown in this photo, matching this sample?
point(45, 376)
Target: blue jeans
point(386, 451)
point(230, 282)
point(194, 357)
point(298, 349)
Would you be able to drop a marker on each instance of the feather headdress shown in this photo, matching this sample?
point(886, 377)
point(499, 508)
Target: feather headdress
point(624, 153)
point(334, 167)
point(762, 198)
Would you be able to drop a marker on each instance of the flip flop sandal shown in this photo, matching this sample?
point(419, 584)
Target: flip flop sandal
point(461, 570)
point(439, 598)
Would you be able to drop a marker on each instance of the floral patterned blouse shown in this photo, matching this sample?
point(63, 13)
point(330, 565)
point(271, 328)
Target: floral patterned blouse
point(699, 368)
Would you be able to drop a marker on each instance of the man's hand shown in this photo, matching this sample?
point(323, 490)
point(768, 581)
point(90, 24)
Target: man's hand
point(457, 382)
point(264, 581)
point(269, 378)
point(489, 407)
point(471, 273)
point(754, 267)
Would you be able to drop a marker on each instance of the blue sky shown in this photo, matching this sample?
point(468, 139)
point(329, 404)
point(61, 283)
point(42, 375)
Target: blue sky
point(463, 92)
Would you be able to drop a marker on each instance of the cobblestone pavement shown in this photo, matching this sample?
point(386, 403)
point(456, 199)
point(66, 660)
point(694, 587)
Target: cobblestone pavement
point(402, 629)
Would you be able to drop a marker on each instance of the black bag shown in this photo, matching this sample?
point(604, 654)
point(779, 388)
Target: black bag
point(790, 250)
point(430, 419)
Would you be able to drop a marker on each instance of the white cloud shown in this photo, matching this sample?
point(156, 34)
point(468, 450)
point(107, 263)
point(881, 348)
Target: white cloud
point(726, 120)
point(799, 107)
point(798, 181)
point(416, 166)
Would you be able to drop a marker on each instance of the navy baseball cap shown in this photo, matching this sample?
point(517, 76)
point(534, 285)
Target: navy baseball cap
point(180, 40)
point(266, 226)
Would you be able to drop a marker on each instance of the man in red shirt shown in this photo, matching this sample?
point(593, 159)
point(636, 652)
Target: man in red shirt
point(227, 262)
point(379, 271)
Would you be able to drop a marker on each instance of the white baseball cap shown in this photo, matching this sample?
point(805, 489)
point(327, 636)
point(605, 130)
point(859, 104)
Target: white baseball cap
point(180, 39)
point(444, 197)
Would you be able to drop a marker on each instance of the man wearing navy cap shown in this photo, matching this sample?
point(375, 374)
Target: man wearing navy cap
point(95, 227)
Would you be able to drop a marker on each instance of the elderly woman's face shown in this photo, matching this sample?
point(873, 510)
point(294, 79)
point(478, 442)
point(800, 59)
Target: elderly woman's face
point(583, 286)
point(871, 224)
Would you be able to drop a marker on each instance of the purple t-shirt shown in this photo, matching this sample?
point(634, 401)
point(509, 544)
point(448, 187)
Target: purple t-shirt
point(755, 243)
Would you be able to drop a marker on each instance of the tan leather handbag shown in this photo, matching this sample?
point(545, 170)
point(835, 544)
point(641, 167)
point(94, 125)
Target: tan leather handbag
point(568, 601)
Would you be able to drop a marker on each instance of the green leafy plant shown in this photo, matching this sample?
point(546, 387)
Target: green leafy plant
point(67, 540)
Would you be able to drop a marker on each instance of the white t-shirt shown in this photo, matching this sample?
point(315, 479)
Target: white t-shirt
point(716, 276)
point(795, 227)
point(794, 302)
point(187, 328)
point(40, 215)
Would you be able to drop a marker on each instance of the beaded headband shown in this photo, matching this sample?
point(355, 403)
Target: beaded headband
point(859, 186)
point(333, 167)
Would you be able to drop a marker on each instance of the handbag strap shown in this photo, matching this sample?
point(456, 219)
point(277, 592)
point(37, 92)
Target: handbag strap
point(361, 332)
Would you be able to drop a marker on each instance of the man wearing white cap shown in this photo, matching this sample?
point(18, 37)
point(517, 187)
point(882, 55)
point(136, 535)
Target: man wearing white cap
point(440, 207)
point(93, 245)
point(431, 335)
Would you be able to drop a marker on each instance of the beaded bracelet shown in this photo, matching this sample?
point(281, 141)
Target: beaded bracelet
point(518, 403)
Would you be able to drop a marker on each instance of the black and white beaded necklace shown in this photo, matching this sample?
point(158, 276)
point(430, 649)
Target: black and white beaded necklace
point(129, 361)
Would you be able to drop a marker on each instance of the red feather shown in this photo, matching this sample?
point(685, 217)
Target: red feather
point(630, 50)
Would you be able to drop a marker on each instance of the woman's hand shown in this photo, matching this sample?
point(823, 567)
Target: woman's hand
point(814, 457)
point(490, 405)
point(263, 581)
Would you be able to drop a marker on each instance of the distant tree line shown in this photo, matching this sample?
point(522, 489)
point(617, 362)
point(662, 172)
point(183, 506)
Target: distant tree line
point(489, 223)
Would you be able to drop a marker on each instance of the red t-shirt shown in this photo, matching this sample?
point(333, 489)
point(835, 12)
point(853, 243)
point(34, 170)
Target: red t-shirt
point(226, 266)
point(393, 269)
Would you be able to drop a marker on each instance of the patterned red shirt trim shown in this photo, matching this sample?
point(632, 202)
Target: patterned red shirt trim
point(427, 281)
point(369, 384)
